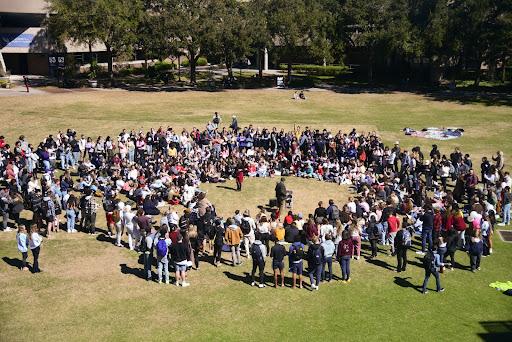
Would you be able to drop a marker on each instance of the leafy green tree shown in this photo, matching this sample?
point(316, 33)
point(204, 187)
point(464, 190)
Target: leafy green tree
point(380, 27)
point(296, 26)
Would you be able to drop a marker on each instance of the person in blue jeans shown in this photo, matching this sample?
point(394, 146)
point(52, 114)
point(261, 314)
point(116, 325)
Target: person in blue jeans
point(315, 262)
point(71, 216)
point(507, 202)
point(345, 251)
point(162, 247)
point(426, 232)
point(329, 249)
point(432, 263)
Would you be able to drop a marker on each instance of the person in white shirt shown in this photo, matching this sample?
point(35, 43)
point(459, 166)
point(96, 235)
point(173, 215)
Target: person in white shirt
point(325, 229)
point(35, 246)
point(248, 238)
point(129, 224)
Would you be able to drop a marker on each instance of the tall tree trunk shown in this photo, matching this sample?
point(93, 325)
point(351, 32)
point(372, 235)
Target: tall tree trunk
point(90, 52)
point(229, 66)
point(503, 69)
point(492, 70)
point(478, 75)
point(110, 61)
point(260, 64)
point(192, 62)
point(289, 71)
point(370, 66)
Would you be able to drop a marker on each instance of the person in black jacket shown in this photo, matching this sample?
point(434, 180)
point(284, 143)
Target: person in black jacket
point(451, 246)
point(280, 195)
point(476, 247)
point(315, 262)
point(179, 255)
point(218, 242)
point(373, 236)
point(428, 225)
point(402, 242)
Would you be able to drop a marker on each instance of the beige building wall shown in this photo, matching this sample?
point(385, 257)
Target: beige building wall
point(23, 6)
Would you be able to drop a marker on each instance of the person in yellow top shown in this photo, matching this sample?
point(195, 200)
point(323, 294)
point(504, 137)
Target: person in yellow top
point(172, 151)
point(279, 233)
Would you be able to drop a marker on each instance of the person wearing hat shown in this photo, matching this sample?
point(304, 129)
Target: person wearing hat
point(280, 195)
point(248, 226)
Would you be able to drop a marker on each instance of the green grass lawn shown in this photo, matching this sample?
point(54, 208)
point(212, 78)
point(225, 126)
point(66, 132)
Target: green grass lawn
point(91, 290)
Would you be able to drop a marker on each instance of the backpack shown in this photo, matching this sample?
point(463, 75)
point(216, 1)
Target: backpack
point(335, 214)
point(317, 256)
point(428, 260)
point(161, 248)
point(256, 253)
point(245, 226)
point(406, 238)
point(44, 207)
point(297, 253)
point(216, 120)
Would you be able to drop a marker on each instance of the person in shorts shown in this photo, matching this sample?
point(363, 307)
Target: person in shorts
point(296, 256)
point(277, 253)
point(179, 255)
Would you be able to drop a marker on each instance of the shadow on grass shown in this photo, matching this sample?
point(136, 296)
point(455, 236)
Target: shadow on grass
point(125, 269)
point(245, 278)
point(226, 187)
point(381, 263)
point(404, 282)
point(496, 331)
point(12, 262)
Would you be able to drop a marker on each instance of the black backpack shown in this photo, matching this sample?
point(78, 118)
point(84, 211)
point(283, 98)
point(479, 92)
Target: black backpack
point(428, 260)
point(297, 253)
point(335, 214)
point(245, 226)
point(317, 256)
point(256, 253)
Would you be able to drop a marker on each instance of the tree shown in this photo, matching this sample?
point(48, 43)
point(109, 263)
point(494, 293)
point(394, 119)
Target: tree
point(73, 20)
point(381, 27)
point(257, 17)
point(298, 25)
point(191, 24)
point(230, 39)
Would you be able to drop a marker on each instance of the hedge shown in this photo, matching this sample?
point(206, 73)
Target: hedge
point(201, 61)
point(320, 70)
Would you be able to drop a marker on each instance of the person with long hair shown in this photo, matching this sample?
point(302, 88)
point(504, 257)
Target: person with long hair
point(22, 241)
point(35, 241)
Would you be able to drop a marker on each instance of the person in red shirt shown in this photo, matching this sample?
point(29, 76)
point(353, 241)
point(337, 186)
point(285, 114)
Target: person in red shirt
point(438, 222)
point(393, 225)
point(460, 226)
point(239, 177)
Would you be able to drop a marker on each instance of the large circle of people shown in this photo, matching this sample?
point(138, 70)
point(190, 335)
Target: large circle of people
point(136, 176)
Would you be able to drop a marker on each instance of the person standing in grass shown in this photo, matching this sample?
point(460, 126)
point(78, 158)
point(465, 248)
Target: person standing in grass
point(345, 251)
point(432, 263)
point(393, 225)
point(218, 242)
point(402, 243)
point(277, 253)
point(233, 236)
point(35, 241)
point(506, 204)
point(315, 262)
point(476, 247)
point(179, 255)
point(329, 249)
point(296, 255)
point(49, 213)
point(258, 253)
point(23, 244)
point(162, 251)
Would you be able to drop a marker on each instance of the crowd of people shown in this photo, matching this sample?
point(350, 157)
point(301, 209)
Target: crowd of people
point(138, 178)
